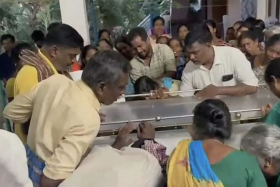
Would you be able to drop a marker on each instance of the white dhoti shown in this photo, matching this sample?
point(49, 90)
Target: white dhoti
point(108, 167)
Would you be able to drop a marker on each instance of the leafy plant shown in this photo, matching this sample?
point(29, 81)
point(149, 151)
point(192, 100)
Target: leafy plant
point(22, 18)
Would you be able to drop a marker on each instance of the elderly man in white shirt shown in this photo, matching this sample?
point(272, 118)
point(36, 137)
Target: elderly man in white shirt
point(13, 161)
point(215, 70)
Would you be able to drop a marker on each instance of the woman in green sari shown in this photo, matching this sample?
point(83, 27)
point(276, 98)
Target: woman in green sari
point(206, 160)
point(214, 162)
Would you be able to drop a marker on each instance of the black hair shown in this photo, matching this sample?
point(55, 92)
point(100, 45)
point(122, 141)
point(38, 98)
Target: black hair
point(212, 119)
point(200, 34)
point(211, 23)
point(8, 36)
point(260, 23)
point(272, 41)
point(84, 54)
point(137, 31)
point(65, 36)
point(144, 84)
point(246, 25)
point(101, 32)
point(157, 40)
point(105, 67)
point(187, 25)
point(106, 41)
point(16, 51)
point(53, 25)
point(238, 23)
point(177, 40)
point(230, 28)
point(259, 32)
point(37, 35)
point(272, 70)
point(121, 39)
point(158, 18)
point(251, 21)
point(248, 34)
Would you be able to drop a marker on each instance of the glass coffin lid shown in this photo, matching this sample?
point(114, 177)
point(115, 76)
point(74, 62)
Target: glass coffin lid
point(176, 111)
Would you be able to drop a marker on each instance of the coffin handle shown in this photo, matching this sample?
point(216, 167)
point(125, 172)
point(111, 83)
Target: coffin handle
point(238, 115)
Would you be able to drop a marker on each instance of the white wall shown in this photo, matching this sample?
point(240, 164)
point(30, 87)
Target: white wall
point(262, 9)
point(234, 11)
point(74, 14)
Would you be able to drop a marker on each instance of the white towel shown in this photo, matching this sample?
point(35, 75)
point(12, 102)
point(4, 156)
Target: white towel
point(13, 161)
point(108, 167)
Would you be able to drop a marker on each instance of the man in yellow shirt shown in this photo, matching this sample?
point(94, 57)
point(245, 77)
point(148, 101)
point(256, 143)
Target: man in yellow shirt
point(15, 55)
point(65, 116)
point(60, 48)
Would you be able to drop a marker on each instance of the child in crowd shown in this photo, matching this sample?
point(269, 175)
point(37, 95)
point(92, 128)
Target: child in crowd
point(162, 40)
point(87, 52)
point(105, 44)
point(147, 85)
point(180, 58)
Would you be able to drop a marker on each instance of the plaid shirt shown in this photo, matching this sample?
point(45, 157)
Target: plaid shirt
point(162, 61)
point(35, 167)
point(158, 150)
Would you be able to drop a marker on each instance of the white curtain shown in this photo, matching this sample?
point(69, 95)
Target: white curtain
point(249, 8)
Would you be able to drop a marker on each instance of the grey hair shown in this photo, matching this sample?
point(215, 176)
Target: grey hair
point(271, 31)
point(105, 67)
point(263, 141)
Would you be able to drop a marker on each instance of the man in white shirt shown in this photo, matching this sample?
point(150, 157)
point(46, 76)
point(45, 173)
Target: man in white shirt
point(215, 70)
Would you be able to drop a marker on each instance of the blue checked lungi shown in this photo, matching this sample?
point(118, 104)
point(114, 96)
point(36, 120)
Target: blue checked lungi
point(35, 167)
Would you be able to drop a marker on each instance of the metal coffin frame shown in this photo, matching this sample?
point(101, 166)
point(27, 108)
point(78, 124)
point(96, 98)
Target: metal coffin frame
point(176, 113)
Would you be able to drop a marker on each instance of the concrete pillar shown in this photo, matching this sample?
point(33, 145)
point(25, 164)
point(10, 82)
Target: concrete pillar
point(234, 11)
point(262, 9)
point(74, 13)
point(209, 9)
point(273, 8)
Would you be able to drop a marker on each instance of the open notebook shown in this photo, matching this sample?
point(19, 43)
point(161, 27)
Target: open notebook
point(76, 76)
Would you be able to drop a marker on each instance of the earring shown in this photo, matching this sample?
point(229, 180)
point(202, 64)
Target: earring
point(267, 165)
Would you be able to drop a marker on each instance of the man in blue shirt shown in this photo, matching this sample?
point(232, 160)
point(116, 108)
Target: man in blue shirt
point(7, 66)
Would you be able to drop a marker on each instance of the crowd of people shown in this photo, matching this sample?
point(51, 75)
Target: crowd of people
point(165, 60)
point(57, 119)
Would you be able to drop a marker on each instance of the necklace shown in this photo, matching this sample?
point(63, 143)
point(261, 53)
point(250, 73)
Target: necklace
point(217, 141)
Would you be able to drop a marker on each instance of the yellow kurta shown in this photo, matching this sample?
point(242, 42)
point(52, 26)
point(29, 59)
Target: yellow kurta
point(26, 79)
point(10, 87)
point(64, 122)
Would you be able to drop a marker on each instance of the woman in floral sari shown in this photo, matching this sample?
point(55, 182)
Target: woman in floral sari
point(272, 51)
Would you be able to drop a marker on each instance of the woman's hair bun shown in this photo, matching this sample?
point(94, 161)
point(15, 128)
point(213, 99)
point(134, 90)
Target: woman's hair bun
point(216, 116)
point(212, 119)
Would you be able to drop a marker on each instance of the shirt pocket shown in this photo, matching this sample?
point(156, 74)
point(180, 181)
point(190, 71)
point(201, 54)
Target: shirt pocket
point(228, 79)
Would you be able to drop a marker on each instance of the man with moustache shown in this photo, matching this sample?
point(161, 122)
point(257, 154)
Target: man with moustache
point(215, 70)
point(65, 116)
point(153, 60)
